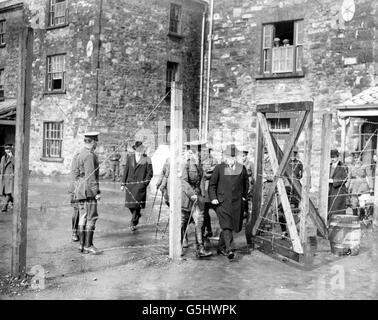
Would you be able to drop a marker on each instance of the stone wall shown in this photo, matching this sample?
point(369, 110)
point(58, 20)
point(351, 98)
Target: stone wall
point(132, 51)
point(329, 76)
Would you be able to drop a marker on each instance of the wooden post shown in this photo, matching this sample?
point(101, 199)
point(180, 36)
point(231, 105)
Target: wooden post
point(21, 173)
point(257, 187)
point(343, 138)
point(375, 215)
point(175, 173)
point(305, 208)
point(326, 134)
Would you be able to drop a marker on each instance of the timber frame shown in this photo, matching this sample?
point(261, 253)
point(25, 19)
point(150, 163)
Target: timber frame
point(297, 249)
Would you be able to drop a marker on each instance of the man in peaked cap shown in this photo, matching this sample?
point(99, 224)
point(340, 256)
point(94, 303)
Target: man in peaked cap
point(87, 192)
point(7, 176)
point(228, 189)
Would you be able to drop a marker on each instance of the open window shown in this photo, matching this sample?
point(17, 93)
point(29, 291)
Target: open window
point(172, 75)
point(282, 47)
point(58, 13)
point(56, 69)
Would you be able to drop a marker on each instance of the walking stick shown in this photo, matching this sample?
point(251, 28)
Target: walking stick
point(157, 223)
point(187, 225)
point(152, 208)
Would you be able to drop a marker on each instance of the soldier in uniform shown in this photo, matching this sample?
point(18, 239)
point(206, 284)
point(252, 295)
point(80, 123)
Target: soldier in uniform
point(249, 166)
point(208, 164)
point(7, 176)
point(87, 192)
point(268, 176)
point(75, 174)
point(296, 168)
point(114, 161)
point(359, 181)
point(190, 192)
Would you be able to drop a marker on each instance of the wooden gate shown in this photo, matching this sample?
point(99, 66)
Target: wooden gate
point(295, 248)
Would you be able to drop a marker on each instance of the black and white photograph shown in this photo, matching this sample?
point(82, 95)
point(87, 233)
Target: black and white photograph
point(188, 150)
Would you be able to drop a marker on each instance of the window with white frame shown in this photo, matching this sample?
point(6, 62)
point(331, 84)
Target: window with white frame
point(175, 19)
point(52, 139)
point(282, 47)
point(2, 32)
point(56, 70)
point(1, 84)
point(58, 14)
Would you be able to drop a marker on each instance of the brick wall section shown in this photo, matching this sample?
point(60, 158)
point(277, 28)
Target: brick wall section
point(328, 40)
point(135, 48)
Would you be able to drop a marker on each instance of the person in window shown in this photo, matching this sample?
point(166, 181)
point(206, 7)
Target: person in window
point(135, 180)
point(337, 193)
point(276, 42)
point(359, 181)
point(7, 176)
point(114, 161)
point(286, 42)
point(228, 189)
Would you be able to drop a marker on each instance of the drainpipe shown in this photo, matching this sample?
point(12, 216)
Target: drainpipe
point(98, 57)
point(201, 76)
point(209, 69)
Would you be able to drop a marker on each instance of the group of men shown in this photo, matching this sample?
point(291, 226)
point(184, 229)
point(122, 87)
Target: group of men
point(224, 187)
point(85, 191)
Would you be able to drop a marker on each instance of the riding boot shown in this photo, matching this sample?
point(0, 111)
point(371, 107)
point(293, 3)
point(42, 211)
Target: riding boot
point(81, 238)
point(89, 247)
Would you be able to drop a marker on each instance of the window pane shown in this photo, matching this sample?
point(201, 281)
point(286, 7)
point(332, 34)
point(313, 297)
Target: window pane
point(299, 58)
point(267, 36)
point(299, 32)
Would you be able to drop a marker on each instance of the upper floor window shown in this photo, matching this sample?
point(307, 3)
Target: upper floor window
point(175, 19)
point(58, 13)
point(56, 69)
point(282, 47)
point(52, 139)
point(1, 84)
point(2, 32)
point(172, 75)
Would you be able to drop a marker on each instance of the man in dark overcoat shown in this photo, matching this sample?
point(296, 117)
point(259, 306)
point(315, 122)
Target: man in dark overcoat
point(337, 192)
point(87, 192)
point(228, 189)
point(136, 177)
point(7, 176)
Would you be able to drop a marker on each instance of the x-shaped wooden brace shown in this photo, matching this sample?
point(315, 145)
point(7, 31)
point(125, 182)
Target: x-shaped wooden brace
point(296, 184)
point(278, 182)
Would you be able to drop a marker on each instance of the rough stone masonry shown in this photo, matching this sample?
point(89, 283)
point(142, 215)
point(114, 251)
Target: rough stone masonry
point(339, 60)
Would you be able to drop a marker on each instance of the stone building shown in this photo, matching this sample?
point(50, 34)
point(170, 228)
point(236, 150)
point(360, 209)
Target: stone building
point(290, 51)
point(103, 65)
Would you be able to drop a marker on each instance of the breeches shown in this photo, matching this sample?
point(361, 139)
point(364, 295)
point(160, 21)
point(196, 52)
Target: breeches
point(88, 214)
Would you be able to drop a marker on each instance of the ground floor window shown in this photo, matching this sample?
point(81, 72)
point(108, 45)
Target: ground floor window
point(52, 139)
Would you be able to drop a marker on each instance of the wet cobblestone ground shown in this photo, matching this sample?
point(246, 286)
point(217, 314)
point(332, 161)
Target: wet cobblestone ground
point(136, 265)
